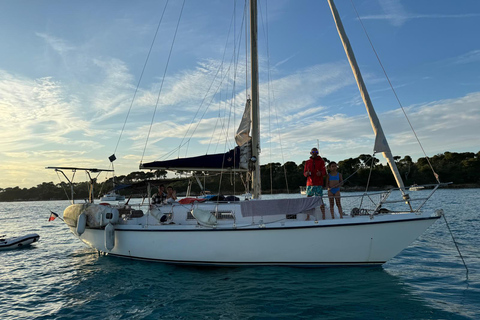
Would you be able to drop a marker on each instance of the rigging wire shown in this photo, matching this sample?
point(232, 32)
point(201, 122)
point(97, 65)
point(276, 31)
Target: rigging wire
point(246, 52)
point(359, 168)
point(249, 176)
point(223, 77)
point(234, 80)
point(232, 106)
point(455, 242)
point(265, 31)
point(186, 141)
point(395, 93)
point(370, 173)
point(272, 102)
point(206, 95)
point(222, 127)
point(135, 92)
point(141, 75)
point(182, 143)
point(62, 184)
point(163, 80)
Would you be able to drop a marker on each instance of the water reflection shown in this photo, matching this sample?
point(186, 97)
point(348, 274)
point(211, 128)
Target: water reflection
point(114, 286)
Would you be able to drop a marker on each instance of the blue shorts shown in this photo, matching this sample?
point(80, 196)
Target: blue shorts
point(334, 190)
point(314, 191)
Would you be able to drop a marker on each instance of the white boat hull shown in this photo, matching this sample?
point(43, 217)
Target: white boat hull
point(415, 188)
point(19, 242)
point(112, 197)
point(350, 241)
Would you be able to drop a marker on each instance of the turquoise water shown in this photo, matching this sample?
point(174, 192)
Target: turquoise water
point(61, 278)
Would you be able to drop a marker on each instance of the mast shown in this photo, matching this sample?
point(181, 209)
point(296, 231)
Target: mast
point(256, 182)
point(381, 144)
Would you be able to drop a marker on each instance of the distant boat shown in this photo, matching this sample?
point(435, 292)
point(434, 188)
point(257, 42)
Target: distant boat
point(18, 242)
point(289, 231)
point(416, 187)
point(112, 196)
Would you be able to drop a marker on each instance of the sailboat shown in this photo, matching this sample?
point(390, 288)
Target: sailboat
point(112, 196)
point(256, 231)
point(415, 187)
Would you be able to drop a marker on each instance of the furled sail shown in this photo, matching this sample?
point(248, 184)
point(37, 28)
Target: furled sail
point(243, 131)
point(381, 144)
point(234, 160)
point(243, 138)
point(211, 162)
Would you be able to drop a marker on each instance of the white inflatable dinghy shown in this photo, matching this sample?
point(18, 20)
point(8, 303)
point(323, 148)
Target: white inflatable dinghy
point(18, 242)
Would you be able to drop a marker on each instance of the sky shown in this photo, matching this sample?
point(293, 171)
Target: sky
point(76, 85)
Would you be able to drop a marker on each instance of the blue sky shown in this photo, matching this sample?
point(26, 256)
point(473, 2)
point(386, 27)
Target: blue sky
point(69, 70)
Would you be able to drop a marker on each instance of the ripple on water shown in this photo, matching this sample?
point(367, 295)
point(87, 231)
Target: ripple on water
point(60, 278)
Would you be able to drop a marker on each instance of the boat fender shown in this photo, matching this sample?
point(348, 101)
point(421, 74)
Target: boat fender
point(109, 236)
point(81, 223)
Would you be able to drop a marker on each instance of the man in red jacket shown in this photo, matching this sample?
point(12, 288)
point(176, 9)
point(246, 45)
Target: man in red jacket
point(315, 172)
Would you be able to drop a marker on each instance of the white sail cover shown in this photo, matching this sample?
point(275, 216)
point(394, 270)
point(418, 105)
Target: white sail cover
point(243, 131)
point(243, 138)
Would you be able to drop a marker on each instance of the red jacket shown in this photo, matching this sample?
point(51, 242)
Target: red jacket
point(316, 167)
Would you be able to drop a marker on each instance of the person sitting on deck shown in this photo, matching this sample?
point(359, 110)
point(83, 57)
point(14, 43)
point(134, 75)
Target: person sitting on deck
point(160, 196)
point(171, 194)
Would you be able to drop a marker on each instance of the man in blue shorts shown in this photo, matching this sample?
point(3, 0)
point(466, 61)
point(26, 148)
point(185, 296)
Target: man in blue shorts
point(315, 172)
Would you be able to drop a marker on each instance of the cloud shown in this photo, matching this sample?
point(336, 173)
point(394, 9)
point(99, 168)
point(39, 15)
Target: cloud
point(284, 60)
point(47, 121)
point(43, 114)
point(57, 44)
point(112, 93)
point(302, 89)
point(295, 99)
point(36, 109)
point(397, 15)
point(27, 168)
point(445, 125)
point(301, 119)
point(398, 20)
point(394, 12)
point(469, 57)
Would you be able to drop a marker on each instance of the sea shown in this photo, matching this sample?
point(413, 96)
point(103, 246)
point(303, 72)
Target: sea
point(61, 278)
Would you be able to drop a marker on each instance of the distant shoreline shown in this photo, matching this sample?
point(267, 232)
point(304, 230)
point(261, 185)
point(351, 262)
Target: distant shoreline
point(344, 189)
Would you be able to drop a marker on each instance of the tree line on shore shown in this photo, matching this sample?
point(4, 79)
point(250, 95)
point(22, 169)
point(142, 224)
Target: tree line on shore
point(463, 169)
